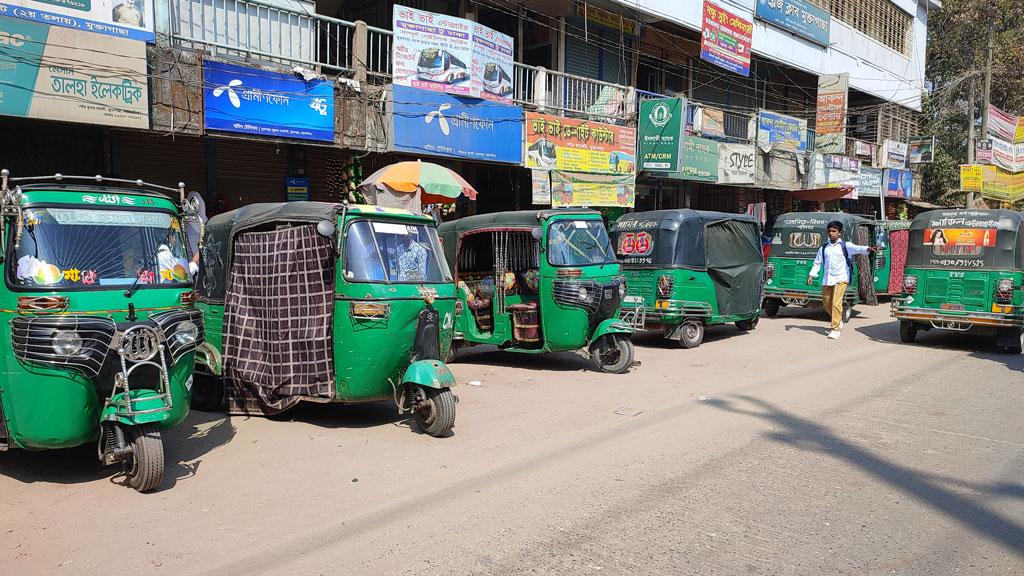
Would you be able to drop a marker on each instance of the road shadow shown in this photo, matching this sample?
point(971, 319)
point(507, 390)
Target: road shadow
point(712, 334)
point(356, 416)
point(807, 435)
point(548, 362)
point(819, 330)
point(186, 444)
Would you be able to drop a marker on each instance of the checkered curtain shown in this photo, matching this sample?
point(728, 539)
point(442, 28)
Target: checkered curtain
point(278, 346)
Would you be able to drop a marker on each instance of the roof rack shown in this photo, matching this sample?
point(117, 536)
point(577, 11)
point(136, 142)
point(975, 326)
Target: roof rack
point(5, 176)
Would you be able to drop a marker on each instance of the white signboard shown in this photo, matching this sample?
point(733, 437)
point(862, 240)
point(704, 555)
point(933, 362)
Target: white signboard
point(735, 164)
point(131, 19)
point(894, 154)
point(448, 54)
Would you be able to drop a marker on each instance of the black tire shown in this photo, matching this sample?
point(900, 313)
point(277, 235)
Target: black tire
point(612, 353)
point(691, 333)
point(1013, 349)
point(439, 419)
point(771, 307)
point(847, 312)
point(207, 392)
point(908, 331)
point(144, 468)
point(747, 325)
point(452, 351)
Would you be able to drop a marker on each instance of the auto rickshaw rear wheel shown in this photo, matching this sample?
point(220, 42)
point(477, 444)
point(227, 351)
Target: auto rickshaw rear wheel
point(908, 331)
point(747, 325)
point(771, 307)
point(1012, 348)
point(144, 467)
point(434, 410)
point(691, 333)
point(207, 392)
point(612, 353)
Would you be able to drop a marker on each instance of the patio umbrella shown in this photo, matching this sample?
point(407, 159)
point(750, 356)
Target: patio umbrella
point(436, 184)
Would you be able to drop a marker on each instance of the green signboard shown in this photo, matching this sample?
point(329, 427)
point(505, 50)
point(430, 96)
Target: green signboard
point(700, 160)
point(661, 134)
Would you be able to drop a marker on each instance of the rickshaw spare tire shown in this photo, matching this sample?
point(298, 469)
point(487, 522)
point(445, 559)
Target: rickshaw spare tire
point(691, 333)
point(144, 469)
point(908, 331)
point(771, 307)
point(207, 392)
point(747, 325)
point(439, 419)
point(612, 353)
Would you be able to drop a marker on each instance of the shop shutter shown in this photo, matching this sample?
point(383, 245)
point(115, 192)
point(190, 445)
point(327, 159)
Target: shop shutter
point(248, 171)
point(323, 167)
point(38, 148)
point(596, 59)
point(160, 159)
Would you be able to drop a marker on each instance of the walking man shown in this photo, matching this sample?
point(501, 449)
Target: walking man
point(834, 261)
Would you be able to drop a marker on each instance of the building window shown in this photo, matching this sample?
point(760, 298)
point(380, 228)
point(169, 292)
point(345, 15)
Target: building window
point(879, 19)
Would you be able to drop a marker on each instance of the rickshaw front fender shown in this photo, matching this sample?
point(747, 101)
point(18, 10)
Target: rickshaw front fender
point(611, 326)
point(142, 401)
point(429, 373)
point(209, 356)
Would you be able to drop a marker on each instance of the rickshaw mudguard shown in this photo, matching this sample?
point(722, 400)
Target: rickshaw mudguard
point(611, 326)
point(208, 355)
point(142, 401)
point(429, 373)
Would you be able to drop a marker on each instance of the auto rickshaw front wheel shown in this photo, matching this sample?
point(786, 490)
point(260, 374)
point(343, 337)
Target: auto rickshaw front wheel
point(612, 353)
point(434, 410)
point(747, 325)
point(771, 307)
point(691, 333)
point(144, 467)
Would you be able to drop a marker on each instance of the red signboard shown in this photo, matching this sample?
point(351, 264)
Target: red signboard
point(725, 39)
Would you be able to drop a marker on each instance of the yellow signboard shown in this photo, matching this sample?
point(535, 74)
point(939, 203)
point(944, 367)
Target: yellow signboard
point(994, 183)
point(971, 177)
point(553, 142)
point(569, 189)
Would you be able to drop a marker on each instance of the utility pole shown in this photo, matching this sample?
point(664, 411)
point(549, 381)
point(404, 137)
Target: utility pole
point(970, 134)
point(987, 95)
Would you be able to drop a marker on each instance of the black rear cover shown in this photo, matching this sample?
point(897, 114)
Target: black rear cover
point(736, 264)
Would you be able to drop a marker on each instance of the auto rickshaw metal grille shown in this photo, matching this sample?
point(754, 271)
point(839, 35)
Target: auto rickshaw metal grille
point(168, 323)
point(32, 338)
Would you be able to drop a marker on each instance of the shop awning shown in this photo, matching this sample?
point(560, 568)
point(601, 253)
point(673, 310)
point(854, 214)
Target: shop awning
point(920, 204)
point(820, 194)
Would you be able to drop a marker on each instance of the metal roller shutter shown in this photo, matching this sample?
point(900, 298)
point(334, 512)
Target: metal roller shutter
point(38, 148)
point(160, 159)
point(596, 59)
point(249, 172)
point(322, 164)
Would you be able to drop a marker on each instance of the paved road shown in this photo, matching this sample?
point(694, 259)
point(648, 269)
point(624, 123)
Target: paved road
point(773, 452)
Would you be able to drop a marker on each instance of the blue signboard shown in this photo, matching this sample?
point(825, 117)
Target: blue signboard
point(273, 104)
point(428, 122)
point(899, 183)
point(800, 17)
point(781, 132)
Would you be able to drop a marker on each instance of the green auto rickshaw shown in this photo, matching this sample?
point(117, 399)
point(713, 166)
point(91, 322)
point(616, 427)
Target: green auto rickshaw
point(796, 238)
point(687, 270)
point(964, 272)
point(539, 281)
point(99, 310)
point(891, 241)
point(326, 303)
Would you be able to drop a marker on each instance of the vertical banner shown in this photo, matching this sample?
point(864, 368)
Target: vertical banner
point(983, 151)
point(830, 123)
point(725, 39)
point(541, 185)
point(661, 134)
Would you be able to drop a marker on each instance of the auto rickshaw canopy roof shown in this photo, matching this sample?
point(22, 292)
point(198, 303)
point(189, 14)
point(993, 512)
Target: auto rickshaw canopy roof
point(679, 238)
point(520, 219)
point(819, 220)
point(800, 234)
point(972, 239)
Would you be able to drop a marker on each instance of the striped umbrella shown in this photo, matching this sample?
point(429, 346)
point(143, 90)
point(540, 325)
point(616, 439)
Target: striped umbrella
point(436, 184)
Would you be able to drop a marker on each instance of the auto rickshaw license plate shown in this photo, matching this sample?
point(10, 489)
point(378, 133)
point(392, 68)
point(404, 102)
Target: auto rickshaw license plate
point(950, 306)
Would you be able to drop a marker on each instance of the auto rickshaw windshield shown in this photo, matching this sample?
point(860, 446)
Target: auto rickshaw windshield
point(394, 252)
point(97, 248)
point(579, 243)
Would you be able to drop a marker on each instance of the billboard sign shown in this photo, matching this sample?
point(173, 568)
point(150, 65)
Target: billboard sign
point(725, 39)
point(557, 143)
point(801, 17)
point(128, 19)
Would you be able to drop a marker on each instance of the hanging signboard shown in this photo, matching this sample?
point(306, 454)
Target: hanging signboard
point(557, 143)
point(870, 181)
point(63, 74)
point(448, 54)
point(780, 132)
point(1007, 156)
point(801, 17)
point(274, 104)
point(899, 183)
point(1005, 126)
point(992, 182)
point(605, 18)
point(709, 121)
point(725, 39)
point(541, 186)
point(736, 163)
point(428, 122)
point(830, 118)
point(576, 189)
point(983, 151)
point(660, 136)
point(921, 150)
point(128, 19)
point(700, 160)
point(842, 172)
point(894, 154)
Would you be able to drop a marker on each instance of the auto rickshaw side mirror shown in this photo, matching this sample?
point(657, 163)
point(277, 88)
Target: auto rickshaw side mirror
point(537, 233)
point(325, 228)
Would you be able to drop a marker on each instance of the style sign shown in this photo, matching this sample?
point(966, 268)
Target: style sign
point(449, 54)
point(725, 39)
point(830, 115)
point(661, 134)
point(575, 189)
point(129, 19)
point(557, 143)
point(53, 73)
point(263, 103)
point(428, 122)
point(780, 132)
point(801, 17)
point(735, 164)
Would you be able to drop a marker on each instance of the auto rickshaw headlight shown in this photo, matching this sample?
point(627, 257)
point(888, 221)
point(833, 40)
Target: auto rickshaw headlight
point(67, 342)
point(186, 333)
